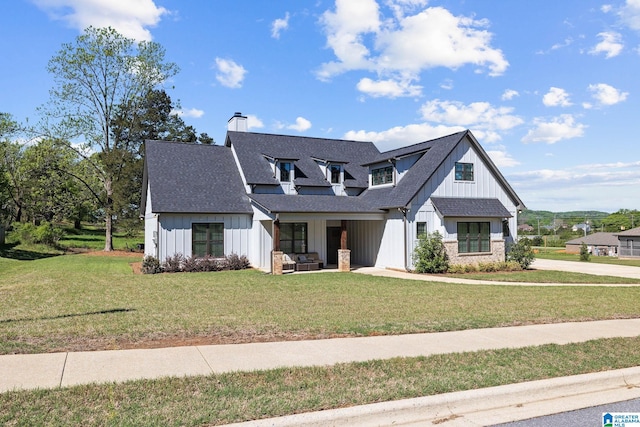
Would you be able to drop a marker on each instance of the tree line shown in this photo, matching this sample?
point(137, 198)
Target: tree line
point(83, 159)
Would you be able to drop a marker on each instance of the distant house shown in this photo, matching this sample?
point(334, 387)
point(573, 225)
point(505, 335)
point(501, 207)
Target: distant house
point(629, 243)
point(526, 228)
point(582, 227)
point(266, 196)
point(597, 243)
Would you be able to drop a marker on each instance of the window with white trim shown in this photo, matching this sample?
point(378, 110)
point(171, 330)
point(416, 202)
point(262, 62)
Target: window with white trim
point(380, 176)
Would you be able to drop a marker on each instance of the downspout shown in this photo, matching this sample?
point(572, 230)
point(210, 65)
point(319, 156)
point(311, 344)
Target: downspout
point(404, 237)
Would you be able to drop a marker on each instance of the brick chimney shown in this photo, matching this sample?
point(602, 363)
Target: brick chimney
point(237, 123)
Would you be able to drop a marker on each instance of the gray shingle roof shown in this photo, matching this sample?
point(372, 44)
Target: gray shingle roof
point(470, 207)
point(604, 239)
point(251, 149)
point(192, 178)
point(634, 232)
point(284, 203)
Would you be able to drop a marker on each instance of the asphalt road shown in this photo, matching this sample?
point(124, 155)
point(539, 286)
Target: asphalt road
point(589, 417)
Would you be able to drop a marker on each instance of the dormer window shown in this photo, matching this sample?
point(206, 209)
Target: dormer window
point(335, 171)
point(464, 171)
point(381, 176)
point(285, 171)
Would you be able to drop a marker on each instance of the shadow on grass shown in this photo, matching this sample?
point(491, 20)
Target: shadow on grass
point(64, 316)
point(10, 251)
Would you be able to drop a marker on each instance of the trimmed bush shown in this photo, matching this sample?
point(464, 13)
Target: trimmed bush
point(151, 265)
point(429, 255)
point(237, 262)
point(521, 252)
point(173, 264)
point(584, 252)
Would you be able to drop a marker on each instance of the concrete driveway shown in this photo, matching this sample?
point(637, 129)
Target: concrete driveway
point(588, 268)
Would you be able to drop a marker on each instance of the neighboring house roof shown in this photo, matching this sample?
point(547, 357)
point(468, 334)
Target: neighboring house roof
point(470, 207)
point(281, 203)
point(634, 232)
point(596, 239)
point(254, 149)
point(192, 178)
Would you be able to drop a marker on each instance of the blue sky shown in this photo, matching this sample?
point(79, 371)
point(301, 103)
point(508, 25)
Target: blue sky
point(549, 88)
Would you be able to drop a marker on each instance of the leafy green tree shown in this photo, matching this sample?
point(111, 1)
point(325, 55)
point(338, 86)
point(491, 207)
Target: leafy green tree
point(101, 71)
point(430, 255)
point(584, 252)
point(8, 128)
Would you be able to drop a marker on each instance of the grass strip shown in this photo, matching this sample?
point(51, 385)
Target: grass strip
point(226, 398)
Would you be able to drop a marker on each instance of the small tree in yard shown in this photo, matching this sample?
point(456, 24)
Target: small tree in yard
point(430, 256)
point(584, 252)
point(522, 253)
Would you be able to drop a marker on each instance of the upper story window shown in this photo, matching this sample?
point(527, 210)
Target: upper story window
point(421, 229)
point(286, 169)
point(382, 176)
point(335, 172)
point(464, 171)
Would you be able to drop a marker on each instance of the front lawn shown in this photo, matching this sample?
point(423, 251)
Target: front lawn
point(561, 255)
point(89, 302)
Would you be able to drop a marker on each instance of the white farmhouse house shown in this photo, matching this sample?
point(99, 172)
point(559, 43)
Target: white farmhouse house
point(274, 197)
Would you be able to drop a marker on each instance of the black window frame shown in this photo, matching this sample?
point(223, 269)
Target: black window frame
point(421, 233)
point(464, 171)
point(335, 171)
point(471, 238)
point(214, 245)
point(386, 177)
point(286, 173)
point(291, 239)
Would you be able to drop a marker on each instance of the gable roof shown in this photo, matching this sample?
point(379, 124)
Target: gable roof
point(634, 232)
point(254, 149)
point(604, 239)
point(284, 203)
point(470, 207)
point(192, 178)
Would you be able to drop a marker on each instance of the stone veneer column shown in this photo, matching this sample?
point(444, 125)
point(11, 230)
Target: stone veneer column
point(276, 263)
point(344, 260)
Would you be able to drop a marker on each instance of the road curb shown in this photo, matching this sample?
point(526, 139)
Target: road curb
point(480, 407)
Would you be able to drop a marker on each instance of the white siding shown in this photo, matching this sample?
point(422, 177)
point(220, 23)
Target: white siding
point(175, 233)
point(150, 228)
point(392, 250)
point(363, 239)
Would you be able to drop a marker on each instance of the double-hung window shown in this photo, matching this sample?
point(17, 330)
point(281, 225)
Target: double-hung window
point(293, 237)
point(464, 171)
point(380, 176)
point(474, 237)
point(207, 239)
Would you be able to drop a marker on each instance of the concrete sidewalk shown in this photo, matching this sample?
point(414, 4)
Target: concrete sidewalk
point(67, 369)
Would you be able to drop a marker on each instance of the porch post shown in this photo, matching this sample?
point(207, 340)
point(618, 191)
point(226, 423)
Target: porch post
point(344, 254)
point(276, 254)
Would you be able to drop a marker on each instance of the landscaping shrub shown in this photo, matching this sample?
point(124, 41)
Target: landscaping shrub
point(151, 265)
point(584, 252)
point(173, 264)
point(521, 252)
point(429, 255)
point(236, 262)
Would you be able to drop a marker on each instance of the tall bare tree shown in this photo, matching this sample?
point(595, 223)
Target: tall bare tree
point(93, 76)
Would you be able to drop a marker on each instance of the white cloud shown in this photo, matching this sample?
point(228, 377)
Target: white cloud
point(129, 18)
point(401, 136)
point(630, 14)
point(559, 128)
point(279, 25)
point(606, 94)
point(478, 116)
point(447, 84)
point(610, 44)
point(556, 97)
point(400, 47)
point(301, 125)
point(253, 122)
point(192, 112)
point(502, 159)
point(388, 88)
point(509, 94)
point(229, 73)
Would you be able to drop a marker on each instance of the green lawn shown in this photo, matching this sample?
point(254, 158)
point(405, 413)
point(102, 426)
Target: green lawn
point(79, 302)
point(546, 276)
point(234, 397)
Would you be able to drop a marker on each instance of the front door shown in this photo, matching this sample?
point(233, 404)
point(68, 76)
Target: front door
point(333, 244)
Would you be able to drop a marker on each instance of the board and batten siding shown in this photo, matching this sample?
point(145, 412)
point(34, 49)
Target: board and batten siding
point(444, 184)
point(363, 239)
point(174, 232)
point(150, 228)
